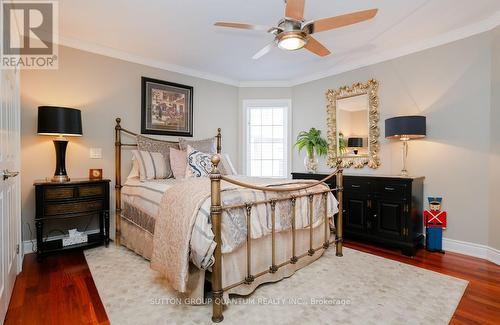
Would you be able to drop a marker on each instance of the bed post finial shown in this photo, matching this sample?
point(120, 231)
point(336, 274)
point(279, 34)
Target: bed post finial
point(219, 140)
point(338, 223)
point(215, 215)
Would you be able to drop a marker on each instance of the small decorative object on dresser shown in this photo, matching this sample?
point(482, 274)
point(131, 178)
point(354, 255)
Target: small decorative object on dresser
point(405, 128)
point(167, 108)
point(381, 209)
point(314, 144)
point(78, 198)
point(60, 122)
point(95, 174)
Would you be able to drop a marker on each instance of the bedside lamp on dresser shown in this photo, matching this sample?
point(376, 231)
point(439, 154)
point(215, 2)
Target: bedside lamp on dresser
point(59, 122)
point(405, 128)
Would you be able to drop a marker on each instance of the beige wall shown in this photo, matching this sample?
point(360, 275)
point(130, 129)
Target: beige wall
point(450, 85)
point(494, 240)
point(453, 85)
point(105, 88)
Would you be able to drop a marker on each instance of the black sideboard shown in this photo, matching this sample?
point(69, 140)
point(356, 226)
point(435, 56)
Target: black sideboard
point(381, 209)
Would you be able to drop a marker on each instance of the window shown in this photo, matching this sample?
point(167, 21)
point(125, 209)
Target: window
point(266, 138)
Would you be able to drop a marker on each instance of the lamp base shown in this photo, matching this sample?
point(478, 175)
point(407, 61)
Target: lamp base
point(60, 179)
point(60, 174)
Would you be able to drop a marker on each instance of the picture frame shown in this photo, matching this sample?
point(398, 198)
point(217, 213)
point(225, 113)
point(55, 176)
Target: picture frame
point(167, 108)
point(95, 174)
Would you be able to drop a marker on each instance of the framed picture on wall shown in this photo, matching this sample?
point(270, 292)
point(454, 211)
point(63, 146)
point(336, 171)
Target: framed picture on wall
point(167, 108)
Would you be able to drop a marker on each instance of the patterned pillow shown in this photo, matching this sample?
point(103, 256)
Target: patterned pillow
point(151, 165)
point(163, 147)
point(178, 162)
point(205, 145)
point(199, 164)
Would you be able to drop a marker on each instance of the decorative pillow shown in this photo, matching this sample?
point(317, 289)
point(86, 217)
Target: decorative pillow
point(134, 172)
point(226, 166)
point(178, 162)
point(205, 145)
point(199, 164)
point(151, 165)
point(163, 147)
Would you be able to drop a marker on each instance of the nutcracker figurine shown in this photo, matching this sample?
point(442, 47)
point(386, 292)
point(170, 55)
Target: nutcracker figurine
point(435, 222)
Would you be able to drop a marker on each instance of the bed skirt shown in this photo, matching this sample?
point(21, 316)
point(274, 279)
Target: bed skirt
point(234, 268)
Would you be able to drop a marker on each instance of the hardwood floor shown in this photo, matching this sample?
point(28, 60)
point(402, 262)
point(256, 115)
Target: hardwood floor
point(60, 290)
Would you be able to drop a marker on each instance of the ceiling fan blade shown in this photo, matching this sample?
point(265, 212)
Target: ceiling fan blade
point(341, 21)
point(242, 26)
point(316, 47)
point(263, 51)
point(295, 9)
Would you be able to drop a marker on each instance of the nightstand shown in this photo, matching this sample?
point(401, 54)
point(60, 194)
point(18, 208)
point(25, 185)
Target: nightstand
point(78, 198)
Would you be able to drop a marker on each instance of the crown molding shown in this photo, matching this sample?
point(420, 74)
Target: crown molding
point(445, 38)
point(125, 56)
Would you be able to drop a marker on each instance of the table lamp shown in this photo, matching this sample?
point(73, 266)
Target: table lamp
point(60, 122)
point(405, 128)
point(355, 143)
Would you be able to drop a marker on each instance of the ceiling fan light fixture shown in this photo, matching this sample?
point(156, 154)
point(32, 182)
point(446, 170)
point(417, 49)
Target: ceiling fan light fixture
point(292, 42)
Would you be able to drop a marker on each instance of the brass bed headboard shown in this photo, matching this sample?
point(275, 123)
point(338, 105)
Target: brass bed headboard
point(217, 208)
point(118, 169)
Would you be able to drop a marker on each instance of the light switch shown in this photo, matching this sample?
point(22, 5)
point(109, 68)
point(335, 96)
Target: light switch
point(95, 153)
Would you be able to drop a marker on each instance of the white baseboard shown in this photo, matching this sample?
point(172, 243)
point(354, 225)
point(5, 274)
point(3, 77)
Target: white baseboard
point(477, 250)
point(29, 246)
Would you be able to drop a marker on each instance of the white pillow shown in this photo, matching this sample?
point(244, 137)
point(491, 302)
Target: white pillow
point(151, 165)
point(134, 172)
point(199, 164)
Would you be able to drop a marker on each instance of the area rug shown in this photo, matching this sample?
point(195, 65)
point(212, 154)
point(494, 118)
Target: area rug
point(358, 288)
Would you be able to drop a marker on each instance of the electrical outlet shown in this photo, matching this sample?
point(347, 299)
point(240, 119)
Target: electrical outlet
point(95, 153)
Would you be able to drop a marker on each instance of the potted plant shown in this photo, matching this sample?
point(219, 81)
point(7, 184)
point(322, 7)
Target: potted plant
point(315, 145)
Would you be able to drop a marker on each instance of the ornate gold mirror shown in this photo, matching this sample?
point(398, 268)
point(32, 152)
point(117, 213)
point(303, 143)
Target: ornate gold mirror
point(353, 131)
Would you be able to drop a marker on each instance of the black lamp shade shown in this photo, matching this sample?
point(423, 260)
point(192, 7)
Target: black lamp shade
point(405, 127)
point(355, 142)
point(54, 120)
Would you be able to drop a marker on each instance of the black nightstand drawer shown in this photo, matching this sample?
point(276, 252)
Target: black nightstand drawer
point(58, 193)
point(58, 208)
point(91, 190)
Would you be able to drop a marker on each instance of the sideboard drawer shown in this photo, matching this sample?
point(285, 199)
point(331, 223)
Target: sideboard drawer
point(91, 190)
point(356, 185)
point(59, 208)
point(58, 193)
point(391, 189)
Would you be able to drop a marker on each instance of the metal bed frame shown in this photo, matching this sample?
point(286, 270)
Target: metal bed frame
point(216, 210)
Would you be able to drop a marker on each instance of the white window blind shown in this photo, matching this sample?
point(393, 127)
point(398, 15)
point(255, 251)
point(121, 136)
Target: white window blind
point(266, 139)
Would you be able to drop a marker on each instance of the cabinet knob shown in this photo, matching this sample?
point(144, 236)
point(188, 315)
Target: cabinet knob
point(375, 216)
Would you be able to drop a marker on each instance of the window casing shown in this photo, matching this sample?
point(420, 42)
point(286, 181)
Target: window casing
point(266, 137)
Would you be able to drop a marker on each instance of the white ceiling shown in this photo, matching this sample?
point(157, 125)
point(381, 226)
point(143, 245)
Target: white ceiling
point(179, 34)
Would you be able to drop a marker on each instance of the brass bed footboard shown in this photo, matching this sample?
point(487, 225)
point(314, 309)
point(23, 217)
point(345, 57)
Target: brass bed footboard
point(216, 215)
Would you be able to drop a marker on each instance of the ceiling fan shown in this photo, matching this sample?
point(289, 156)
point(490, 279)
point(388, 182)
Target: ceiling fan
point(293, 32)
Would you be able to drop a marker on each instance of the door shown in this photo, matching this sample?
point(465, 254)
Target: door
point(10, 198)
point(354, 212)
point(389, 218)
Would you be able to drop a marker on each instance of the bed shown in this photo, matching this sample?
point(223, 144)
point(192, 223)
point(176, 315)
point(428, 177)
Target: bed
point(235, 232)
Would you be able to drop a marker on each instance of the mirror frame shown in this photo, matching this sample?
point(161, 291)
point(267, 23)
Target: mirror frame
point(369, 88)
